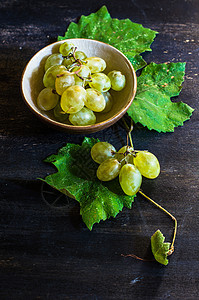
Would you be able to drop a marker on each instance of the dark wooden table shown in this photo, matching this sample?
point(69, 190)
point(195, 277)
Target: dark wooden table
point(50, 254)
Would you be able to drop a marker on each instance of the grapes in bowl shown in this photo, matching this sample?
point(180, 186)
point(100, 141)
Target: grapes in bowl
point(79, 85)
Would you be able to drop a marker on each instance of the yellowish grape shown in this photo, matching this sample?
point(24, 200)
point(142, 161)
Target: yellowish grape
point(67, 62)
point(147, 163)
point(53, 59)
point(101, 151)
point(80, 55)
point(100, 82)
point(118, 80)
point(130, 179)
point(95, 64)
point(72, 99)
point(63, 81)
point(51, 74)
point(65, 48)
point(83, 117)
point(47, 99)
point(94, 100)
point(108, 170)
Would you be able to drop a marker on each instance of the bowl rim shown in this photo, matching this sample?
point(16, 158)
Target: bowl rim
point(82, 129)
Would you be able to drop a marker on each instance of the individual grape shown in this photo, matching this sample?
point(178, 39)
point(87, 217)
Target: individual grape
point(53, 59)
point(108, 170)
point(109, 102)
point(118, 80)
point(63, 81)
point(147, 163)
point(130, 179)
point(83, 117)
point(95, 100)
point(129, 156)
point(95, 64)
point(65, 48)
point(47, 99)
point(100, 82)
point(83, 72)
point(51, 74)
point(101, 151)
point(67, 62)
point(72, 99)
point(80, 55)
point(59, 114)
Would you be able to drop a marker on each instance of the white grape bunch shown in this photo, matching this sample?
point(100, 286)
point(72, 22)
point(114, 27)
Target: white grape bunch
point(76, 87)
point(128, 163)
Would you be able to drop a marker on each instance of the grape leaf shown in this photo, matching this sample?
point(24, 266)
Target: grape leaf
point(159, 248)
point(128, 37)
point(76, 175)
point(152, 106)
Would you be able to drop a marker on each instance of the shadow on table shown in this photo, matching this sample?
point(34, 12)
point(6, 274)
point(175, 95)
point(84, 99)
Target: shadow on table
point(147, 281)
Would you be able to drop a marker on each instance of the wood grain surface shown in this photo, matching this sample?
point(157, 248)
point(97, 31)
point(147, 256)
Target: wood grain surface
point(48, 253)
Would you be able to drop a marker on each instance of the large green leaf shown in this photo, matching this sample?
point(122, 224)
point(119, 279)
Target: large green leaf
point(152, 106)
point(159, 248)
point(130, 38)
point(76, 174)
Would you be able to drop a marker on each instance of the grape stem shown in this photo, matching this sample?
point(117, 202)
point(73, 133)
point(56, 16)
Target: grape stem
point(171, 250)
point(136, 257)
point(129, 130)
point(78, 63)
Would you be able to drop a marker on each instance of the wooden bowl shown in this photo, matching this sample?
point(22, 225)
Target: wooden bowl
point(32, 83)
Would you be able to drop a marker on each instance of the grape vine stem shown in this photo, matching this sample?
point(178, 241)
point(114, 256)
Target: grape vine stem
point(171, 250)
point(129, 130)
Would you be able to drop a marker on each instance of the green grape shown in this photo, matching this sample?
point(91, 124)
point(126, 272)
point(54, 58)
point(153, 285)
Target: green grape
point(80, 55)
point(47, 99)
point(59, 114)
point(95, 64)
point(63, 81)
point(118, 80)
point(130, 179)
point(109, 102)
point(100, 82)
point(101, 151)
point(72, 99)
point(53, 59)
point(83, 72)
point(67, 62)
point(94, 100)
point(120, 155)
point(83, 117)
point(147, 163)
point(109, 169)
point(51, 74)
point(65, 48)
